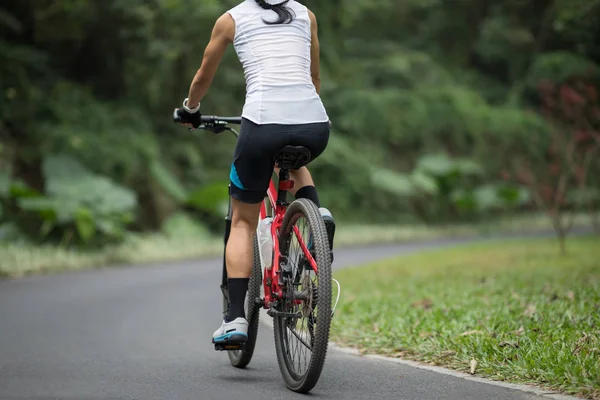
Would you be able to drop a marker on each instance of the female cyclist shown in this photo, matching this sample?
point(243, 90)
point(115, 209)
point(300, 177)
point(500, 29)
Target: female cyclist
point(278, 47)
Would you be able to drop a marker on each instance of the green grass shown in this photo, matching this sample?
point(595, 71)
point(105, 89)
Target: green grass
point(351, 234)
point(17, 260)
point(522, 311)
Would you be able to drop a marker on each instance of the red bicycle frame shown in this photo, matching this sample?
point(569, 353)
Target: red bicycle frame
point(279, 206)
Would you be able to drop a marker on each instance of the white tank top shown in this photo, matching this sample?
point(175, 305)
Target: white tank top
point(276, 62)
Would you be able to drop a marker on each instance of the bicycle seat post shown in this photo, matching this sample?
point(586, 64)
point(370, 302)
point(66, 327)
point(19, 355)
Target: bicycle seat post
point(285, 184)
point(289, 158)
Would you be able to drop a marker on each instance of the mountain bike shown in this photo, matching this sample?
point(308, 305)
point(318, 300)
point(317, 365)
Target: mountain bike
point(296, 291)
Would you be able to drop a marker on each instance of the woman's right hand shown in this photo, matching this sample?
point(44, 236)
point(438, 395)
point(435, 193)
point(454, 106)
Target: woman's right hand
point(186, 118)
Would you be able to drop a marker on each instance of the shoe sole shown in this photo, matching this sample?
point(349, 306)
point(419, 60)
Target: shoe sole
point(231, 338)
point(330, 228)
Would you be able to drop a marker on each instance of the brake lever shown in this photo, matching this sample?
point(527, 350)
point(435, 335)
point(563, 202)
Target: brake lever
point(215, 128)
point(218, 127)
point(191, 128)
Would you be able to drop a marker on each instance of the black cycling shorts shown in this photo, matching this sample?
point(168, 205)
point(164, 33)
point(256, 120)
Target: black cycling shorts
point(256, 148)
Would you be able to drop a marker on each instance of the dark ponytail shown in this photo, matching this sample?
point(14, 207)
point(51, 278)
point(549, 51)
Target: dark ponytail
point(284, 14)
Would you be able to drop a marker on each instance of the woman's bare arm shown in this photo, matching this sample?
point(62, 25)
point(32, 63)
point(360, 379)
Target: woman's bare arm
point(222, 35)
point(315, 62)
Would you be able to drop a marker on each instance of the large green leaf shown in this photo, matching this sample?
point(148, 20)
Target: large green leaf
point(70, 182)
point(436, 164)
point(465, 200)
point(84, 221)
point(19, 189)
point(424, 183)
point(468, 167)
point(104, 197)
point(487, 198)
point(36, 204)
point(182, 225)
point(44, 206)
point(167, 181)
point(63, 167)
point(109, 227)
point(210, 198)
point(78, 199)
point(514, 195)
point(441, 165)
point(393, 182)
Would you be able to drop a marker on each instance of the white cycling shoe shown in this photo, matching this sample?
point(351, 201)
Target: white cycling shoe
point(329, 225)
point(234, 332)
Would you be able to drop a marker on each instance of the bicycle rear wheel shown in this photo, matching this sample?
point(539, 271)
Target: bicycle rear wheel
point(242, 357)
point(301, 341)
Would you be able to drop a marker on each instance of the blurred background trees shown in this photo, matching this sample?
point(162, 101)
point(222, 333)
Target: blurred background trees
point(443, 112)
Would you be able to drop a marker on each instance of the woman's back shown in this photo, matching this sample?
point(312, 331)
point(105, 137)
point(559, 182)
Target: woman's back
point(276, 61)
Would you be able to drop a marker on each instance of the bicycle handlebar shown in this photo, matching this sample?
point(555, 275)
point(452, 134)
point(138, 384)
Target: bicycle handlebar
point(212, 123)
point(211, 119)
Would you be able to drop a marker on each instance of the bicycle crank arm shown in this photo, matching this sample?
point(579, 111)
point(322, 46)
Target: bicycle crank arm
point(274, 313)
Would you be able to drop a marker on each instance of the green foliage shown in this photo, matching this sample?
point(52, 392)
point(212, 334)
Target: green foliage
point(79, 204)
point(442, 188)
point(181, 225)
point(583, 196)
point(213, 198)
point(560, 66)
point(115, 139)
point(166, 179)
point(434, 77)
point(5, 181)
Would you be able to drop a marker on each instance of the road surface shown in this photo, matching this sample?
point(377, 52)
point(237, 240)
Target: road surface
point(144, 333)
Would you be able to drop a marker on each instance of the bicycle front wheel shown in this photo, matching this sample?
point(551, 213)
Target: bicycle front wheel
point(302, 333)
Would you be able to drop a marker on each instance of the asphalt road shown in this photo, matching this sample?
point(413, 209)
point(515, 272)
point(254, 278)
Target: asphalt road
point(144, 333)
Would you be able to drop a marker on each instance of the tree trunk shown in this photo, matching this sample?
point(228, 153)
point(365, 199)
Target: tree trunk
point(560, 231)
point(477, 17)
point(595, 218)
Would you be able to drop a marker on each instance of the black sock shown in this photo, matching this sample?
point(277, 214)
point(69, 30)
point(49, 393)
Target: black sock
point(308, 192)
point(237, 297)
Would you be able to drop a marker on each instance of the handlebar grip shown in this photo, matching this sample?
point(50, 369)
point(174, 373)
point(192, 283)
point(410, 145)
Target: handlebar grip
point(205, 119)
point(176, 118)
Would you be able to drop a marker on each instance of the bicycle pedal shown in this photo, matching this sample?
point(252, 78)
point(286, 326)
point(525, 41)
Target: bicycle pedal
point(229, 346)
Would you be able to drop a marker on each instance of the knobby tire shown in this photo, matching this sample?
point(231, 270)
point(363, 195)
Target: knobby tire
point(304, 382)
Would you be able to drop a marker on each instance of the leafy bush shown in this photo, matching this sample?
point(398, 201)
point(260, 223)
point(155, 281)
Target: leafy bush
point(418, 84)
point(4, 191)
point(441, 188)
point(77, 206)
point(182, 225)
